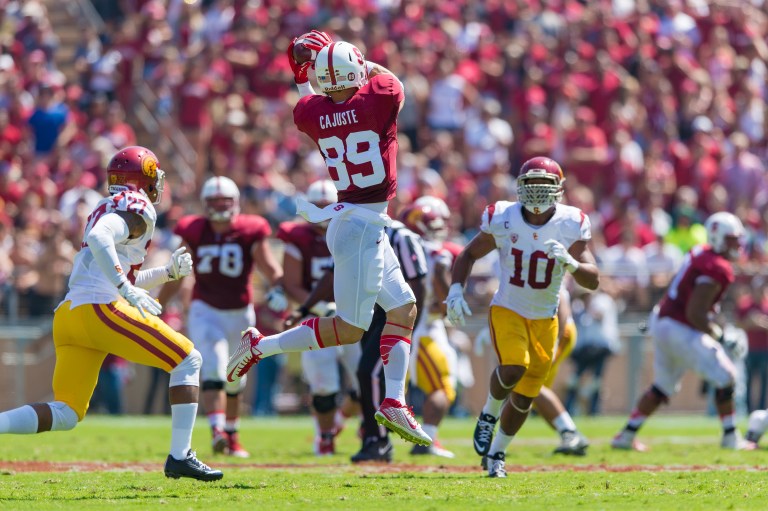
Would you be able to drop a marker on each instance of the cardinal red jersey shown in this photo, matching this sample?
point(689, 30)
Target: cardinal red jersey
point(223, 262)
point(357, 138)
point(701, 264)
point(307, 245)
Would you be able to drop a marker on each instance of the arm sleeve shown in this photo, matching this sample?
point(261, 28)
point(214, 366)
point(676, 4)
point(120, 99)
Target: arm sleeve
point(305, 89)
point(153, 277)
point(109, 230)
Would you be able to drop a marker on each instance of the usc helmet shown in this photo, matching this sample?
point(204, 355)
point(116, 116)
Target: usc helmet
point(221, 198)
point(136, 168)
point(340, 66)
point(539, 197)
point(720, 227)
point(323, 192)
point(428, 218)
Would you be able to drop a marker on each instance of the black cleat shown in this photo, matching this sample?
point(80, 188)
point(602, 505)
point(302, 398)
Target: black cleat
point(190, 467)
point(572, 443)
point(380, 450)
point(484, 433)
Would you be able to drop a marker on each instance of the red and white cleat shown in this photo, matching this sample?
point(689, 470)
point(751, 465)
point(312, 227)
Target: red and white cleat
point(626, 443)
point(234, 448)
point(399, 419)
point(247, 355)
point(218, 441)
point(325, 445)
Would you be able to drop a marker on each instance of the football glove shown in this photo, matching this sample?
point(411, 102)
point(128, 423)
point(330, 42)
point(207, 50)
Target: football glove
point(457, 305)
point(141, 299)
point(323, 309)
point(299, 70)
point(276, 299)
point(315, 40)
point(180, 264)
point(735, 342)
point(556, 250)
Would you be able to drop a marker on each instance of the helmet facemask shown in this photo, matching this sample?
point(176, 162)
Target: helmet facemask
point(539, 197)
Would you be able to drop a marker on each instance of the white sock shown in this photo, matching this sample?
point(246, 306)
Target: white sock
point(21, 420)
point(492, 406)
point(430, 430)
point(300, 338)
point(232, 424)
point(395, 366)
point(564, 422)
point(217, 420)
point(500, 442)
point(182, 422)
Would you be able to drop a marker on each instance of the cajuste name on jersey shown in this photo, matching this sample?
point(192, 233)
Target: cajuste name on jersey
point(338, 119)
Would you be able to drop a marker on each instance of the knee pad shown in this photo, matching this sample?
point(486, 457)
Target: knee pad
point(656, 391)
point(235, 388)
point(212, 385)
point(64, 417)
point(724, 395)
point(758, 423)
point(324, 404)
point(188, 370)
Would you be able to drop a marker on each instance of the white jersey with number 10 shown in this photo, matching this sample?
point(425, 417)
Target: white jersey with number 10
point(529, 280)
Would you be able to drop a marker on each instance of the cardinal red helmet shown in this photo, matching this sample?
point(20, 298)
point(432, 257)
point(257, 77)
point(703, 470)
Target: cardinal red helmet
point(539, 197)
point(136, 168)
point(425, 220)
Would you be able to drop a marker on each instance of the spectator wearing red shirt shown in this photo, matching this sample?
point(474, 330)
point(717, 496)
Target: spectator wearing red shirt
point(586, 150)
point(752, 314)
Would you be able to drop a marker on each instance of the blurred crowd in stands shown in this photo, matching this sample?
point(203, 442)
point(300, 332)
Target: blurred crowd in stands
point(656, 110)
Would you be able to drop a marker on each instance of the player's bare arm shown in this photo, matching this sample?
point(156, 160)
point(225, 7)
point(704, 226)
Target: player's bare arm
point(586, 275)
point(481, 245)
point(698, 307)
point(292, 278)
point(266, 262)
point(441, 281)
point(136, 225)
point(323, 291)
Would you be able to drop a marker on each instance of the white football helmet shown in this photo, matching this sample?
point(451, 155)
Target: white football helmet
point(221, 199)
point(721, 226)
point(323, 192)
point(340, 66)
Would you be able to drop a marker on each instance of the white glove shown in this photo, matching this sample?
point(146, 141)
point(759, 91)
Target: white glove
point(483, 338)
point(735, 342)
point(180, 264)
point(276, 299)
point(141, 299)
point(556, 250)
point(457, 305)
point(323, 309)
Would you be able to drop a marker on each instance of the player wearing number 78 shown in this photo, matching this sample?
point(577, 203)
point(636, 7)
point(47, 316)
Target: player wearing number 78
point(354, 124)
point(538, 240)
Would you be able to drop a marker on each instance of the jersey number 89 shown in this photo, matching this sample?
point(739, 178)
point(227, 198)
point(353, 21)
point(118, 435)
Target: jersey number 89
point(339, 153)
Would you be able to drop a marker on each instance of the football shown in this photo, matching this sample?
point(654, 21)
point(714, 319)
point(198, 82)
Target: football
point(301, 53)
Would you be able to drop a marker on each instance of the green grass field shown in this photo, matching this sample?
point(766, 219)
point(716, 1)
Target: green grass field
point(685, 470)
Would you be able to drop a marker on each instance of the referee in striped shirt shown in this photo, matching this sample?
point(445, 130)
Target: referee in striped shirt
point(370, 372)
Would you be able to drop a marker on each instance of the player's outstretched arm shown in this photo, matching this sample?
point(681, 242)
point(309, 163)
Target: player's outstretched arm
point(457, 306)
point(697, 309)
point(586, 274)
point(316, 301)
point(115, 228)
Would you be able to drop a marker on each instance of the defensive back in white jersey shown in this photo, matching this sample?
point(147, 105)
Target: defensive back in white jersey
point(88, 284)
point(529, 280)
